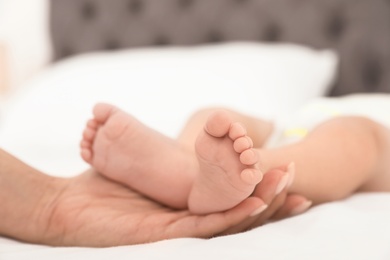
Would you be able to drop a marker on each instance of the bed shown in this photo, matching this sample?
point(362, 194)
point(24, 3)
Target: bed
point(139, 53)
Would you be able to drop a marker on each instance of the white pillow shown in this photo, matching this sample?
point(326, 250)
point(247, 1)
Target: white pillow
point(161, 87)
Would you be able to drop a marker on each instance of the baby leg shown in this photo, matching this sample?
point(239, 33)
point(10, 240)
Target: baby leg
point(339, 157)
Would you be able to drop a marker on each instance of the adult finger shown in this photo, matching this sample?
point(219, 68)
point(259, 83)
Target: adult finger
point(268, 214)
point(266, 190)
point(274, 182)
point(295, 204)
point(206, 226)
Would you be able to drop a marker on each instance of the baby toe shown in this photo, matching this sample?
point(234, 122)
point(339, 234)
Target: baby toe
point(237, 130)
point(86, 154)
point(89, 134)
point(92, 123)
point(249, 157)
point(251, 176)
point(85, 144)
point(218, 124)
point(242, 143)
point(102, 112)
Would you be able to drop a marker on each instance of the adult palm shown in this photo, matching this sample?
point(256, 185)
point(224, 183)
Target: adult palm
point(92, 210)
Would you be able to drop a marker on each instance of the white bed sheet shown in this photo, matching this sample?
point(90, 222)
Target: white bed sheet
point(356, 229)
point(42, 125)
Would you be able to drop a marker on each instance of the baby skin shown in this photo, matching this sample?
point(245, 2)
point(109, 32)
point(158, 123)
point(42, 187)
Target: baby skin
point(224, 172)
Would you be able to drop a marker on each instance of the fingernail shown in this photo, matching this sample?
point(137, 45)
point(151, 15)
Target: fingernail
point(291, 173)
point(301, 208)
point(282, 184)
point(259, 210)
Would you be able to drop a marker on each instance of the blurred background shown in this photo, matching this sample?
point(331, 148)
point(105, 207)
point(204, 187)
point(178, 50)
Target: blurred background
point(36, 33)
point(24, 40)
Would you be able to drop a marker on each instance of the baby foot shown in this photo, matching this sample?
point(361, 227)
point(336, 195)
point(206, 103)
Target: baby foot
point(125, 150)
point(228, 166)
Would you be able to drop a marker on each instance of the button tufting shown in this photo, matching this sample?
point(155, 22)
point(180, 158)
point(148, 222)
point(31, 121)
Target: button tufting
point(88, 11)
point(161, 40)
point(112, 45)
point(214, 36)
point(65, 52)
point(371, 74)
point(184, 4)
point(272, 33)
point(135, 6)
point(240, 1)
point(336, 26)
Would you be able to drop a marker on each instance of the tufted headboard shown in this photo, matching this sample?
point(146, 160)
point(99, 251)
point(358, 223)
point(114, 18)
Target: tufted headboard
point(358, 30)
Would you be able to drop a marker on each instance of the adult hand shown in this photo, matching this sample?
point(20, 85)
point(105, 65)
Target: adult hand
point(92, 210)
point(281, 204)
